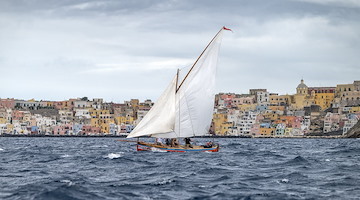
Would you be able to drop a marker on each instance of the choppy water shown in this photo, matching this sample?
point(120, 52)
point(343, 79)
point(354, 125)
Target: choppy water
point(103, 168)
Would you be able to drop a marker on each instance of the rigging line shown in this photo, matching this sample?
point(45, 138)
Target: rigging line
point(177, 89)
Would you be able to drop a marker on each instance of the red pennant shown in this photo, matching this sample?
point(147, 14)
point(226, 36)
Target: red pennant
point(227, 29)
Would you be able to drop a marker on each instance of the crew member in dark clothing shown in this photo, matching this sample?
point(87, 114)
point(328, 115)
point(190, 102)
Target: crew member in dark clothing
point(187, 142)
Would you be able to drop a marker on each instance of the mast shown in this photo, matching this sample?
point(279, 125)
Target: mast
point(177, 88)
point(177, 80)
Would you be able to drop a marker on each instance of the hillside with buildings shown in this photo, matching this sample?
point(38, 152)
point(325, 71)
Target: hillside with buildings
point(311, 111)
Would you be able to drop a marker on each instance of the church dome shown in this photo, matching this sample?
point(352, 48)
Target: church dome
point(302, 85)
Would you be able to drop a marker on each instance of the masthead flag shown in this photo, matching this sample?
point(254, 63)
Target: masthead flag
point(227, 29)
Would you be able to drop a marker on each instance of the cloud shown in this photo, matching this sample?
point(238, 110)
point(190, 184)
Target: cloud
point(348, 3)
point(131, 49)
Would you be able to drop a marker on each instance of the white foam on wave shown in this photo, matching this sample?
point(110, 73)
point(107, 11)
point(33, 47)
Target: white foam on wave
point(1, 149)
point(202, 186)
point(114, 155)
point(68, 182)
point(100, 146)
point(284, 180)
point(164, 181)
point(153, 149)
point(65, 156)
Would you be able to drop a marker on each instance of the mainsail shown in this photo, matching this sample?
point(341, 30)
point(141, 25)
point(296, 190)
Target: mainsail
point(185, 108)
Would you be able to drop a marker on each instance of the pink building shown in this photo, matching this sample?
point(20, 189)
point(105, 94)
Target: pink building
point(7, 103)
point(61, 105)
point(90, 130)
point(226, 99)
point(292, 121)
point(255, 129)
point(18, 115)
point(243, 100)
point(65, 129)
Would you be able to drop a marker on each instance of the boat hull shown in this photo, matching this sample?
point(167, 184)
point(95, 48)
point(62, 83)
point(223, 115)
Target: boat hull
point(142, 146)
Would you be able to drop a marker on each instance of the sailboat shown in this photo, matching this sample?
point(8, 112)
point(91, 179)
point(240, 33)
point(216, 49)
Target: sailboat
point(185, 108)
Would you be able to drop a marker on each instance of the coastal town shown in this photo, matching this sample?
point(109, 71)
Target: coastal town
point(310, 111)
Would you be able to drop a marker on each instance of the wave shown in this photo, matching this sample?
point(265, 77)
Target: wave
point(68, 182)
point(67, 192)
point(99, 146)
point(114, 155)
point(244, 169)
point(153, 149)
point(284, 180)
point(298, 160)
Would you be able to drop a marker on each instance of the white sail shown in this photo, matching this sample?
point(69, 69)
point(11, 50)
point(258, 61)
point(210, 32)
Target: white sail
point(195, 97)
point(185, 111)
point(161, 117)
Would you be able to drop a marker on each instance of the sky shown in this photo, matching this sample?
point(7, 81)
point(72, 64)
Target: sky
point(120, 50)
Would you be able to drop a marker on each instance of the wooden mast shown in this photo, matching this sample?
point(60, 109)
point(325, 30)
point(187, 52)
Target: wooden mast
point(177, 80)
point(177, 88)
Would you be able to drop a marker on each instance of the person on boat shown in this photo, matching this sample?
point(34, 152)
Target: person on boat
point(168, 141)
point(159, 141)
point(174, 142)
point(209, 145)
point(187, 143)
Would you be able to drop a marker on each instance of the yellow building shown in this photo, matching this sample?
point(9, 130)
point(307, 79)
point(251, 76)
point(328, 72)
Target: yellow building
point(105, 120)
point(343, 89)
point(302, 99)
point(218, 120)
point(225, 127)
point(124, 120)
point(267, 131)
point(134, 103)
point(274, 108)
point(97, 113)
point(94, 122)
point(101, 119)
point(271, 116)
point(324, 100)
point(10, 128)
point(280, 100)
point(3, 120)
point(246, 107)
point(355, 109)
point(288, 132)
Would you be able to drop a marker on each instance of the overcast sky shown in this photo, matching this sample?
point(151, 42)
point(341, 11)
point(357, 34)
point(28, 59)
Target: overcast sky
point(118, 50)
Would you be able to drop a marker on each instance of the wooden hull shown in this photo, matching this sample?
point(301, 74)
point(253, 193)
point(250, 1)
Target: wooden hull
point(143, 146)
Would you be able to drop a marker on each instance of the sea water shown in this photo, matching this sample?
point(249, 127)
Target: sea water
point(103, 168)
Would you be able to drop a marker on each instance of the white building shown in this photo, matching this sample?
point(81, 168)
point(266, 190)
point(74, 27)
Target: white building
point(353, 119)
point(3, 129)
point(305, 124)
point(263, 98)
point(140, 115)
point(82, 113)
point(66, 116)
point(331, 122)
point(80, 104)
point(246, 122)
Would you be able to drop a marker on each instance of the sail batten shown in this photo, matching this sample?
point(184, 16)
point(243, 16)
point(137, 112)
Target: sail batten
point(185, 109)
